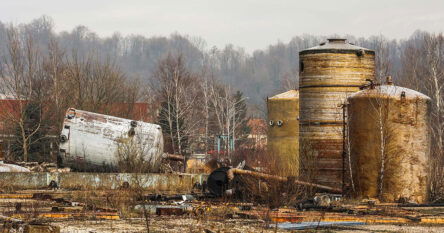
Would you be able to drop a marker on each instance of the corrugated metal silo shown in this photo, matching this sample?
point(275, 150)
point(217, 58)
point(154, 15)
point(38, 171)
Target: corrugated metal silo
point(329, 73)
point(283, 131)
point(390, 143)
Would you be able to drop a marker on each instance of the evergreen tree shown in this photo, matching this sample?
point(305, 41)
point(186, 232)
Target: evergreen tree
point(166, 111)
point(31, 136)
point(241, 118)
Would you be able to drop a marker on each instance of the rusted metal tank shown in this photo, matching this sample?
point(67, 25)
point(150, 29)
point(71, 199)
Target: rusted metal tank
point(92, 141)
point(329, 73)
point(283, 131)
point(390, 143)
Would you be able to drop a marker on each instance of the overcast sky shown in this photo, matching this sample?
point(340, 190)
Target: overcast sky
point(252, 24)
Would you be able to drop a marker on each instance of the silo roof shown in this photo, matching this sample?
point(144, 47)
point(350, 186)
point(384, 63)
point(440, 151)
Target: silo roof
point(287, 95)
point(389, 90)
point(336, 46)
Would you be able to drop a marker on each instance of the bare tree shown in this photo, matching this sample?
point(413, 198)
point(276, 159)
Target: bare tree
point(290, 81)
point(20, 74)
point(423, 70)
point(434, 82)
point(178, 92)
point(205, 89)
point(381, 107)
point(229, 111)
point(382, 57)
point(434, 68)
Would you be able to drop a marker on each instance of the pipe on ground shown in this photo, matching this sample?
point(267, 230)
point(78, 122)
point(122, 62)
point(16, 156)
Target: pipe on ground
point(265, 176)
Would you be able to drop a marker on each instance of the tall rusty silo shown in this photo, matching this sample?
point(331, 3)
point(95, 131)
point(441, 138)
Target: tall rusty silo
point(329, 73)
point(283, 131)
point(389, 130)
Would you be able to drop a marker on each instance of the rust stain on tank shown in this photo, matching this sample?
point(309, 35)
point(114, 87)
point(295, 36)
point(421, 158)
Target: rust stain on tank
point(329, 73)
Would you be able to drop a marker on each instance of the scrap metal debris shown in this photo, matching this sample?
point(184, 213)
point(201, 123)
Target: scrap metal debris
point(42, 167)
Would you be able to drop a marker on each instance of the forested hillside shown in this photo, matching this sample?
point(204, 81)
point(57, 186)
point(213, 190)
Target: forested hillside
point(262, 73)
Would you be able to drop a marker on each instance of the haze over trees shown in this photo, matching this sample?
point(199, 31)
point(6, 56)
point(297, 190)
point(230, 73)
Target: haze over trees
point(263, 73)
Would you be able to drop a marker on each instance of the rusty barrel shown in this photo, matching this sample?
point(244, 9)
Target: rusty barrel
point(329, 73)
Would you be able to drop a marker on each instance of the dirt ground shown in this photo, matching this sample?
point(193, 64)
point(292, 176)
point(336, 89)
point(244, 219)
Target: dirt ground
point(164, 224)
point(183, 225)
point(395, 228)
point(76, 211)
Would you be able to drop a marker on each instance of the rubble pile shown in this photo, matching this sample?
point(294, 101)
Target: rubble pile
point(43, 167)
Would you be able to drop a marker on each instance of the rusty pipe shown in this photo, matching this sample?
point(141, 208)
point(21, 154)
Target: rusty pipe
point(265, 176)
point(173, 157)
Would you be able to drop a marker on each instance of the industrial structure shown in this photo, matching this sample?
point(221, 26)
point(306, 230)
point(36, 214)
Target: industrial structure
point(329, 73)
point(328, 134)
point(389, 135)
point(283, 131)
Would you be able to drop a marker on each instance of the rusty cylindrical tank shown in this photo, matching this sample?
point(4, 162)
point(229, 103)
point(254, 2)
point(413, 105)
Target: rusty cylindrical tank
point(329, 73)
point(283, 131)
point(390, 143)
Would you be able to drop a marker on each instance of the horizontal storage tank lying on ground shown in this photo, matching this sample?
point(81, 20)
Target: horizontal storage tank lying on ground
point(389, 133)
point(283, 131)
point(91, 141)
point(5, 167)
point(329, 73)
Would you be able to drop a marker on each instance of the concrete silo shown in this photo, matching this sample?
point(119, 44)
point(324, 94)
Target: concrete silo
point(283, 131)
point(329, 73)
point(389, 130)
